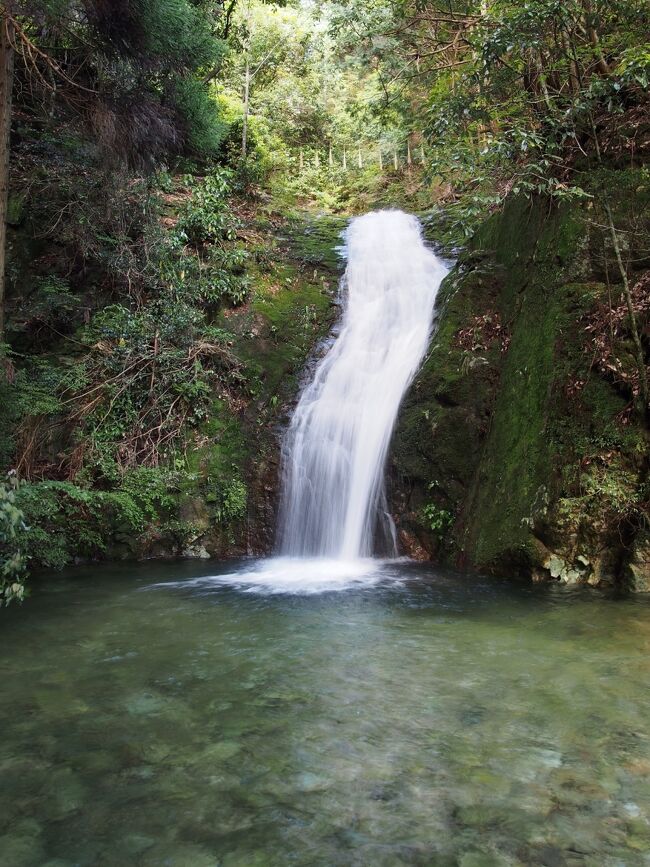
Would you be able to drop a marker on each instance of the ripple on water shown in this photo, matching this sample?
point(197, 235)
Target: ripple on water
point(416, 718)
point(300, 576)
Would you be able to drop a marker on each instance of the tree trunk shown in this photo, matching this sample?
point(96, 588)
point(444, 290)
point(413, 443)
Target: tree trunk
point(247, 85)
point(638, 346)
point(640, 360)
point(574, 79)
point(592, 33)
point(6, 87)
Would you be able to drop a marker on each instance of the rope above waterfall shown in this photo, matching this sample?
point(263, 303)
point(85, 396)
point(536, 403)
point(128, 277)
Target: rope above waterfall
point(360, 156)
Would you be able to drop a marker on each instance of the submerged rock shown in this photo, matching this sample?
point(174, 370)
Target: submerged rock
point(175, 854)
point(219, 752)
point(65, 794)
point(18, 850)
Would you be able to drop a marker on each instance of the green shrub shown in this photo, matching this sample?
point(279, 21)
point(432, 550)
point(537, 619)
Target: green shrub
point(62, 520)
point(207, 215)
point(436, 519)
point(204, 128)
point(13, 563)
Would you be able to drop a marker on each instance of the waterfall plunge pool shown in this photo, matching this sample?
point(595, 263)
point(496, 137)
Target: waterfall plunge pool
point(418, 718)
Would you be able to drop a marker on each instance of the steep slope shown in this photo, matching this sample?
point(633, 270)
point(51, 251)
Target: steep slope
point(518, 449)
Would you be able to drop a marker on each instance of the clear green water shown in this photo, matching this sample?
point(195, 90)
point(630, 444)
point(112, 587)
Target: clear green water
point(446, 721)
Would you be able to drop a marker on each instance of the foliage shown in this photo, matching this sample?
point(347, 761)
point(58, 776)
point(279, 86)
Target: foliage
point(206, 215)
point(436, 519)
point(135, 72)
point(65, 521)
point(13, 562)
point(129, 358)
point(607, 493)
point(204, 130)
point(233, 501)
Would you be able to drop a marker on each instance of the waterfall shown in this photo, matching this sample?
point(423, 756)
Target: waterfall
point(333, 513)
point(333, 499)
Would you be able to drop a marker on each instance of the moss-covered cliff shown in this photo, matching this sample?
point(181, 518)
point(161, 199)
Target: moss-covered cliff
point(294, 272)
point(143, 394)
point(518, 447)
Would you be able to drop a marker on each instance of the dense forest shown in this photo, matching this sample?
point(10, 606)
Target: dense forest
point(174, 178)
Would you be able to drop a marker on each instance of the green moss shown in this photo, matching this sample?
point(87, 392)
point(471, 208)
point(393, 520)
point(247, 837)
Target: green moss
point(316, 241)
point(504, 427)
point(291, 308)
point(15, 209)
point(520, 453)
point(516, 461)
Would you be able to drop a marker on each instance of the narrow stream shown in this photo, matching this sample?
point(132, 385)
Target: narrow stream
point(429, 719)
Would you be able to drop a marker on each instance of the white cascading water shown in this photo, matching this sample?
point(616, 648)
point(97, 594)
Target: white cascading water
point(333, 510)
point(333, 500)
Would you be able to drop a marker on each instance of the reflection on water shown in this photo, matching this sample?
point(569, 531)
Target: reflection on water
point(439, 721)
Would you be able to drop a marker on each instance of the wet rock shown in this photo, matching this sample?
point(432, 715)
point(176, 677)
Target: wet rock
point(637, 572)
point(196, 552)
point(569, 570)
point(555, 565)
point(194, 511)
point(411, 545)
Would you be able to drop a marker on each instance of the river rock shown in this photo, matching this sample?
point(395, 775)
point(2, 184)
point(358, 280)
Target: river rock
point(245, 859)
point(180, 855)
point(637, 572)
point(135, 844)
point(219, 752)
point(145, 703)
point(18, 850)
point(196, 552)
point(479, 859)
point(66, 794)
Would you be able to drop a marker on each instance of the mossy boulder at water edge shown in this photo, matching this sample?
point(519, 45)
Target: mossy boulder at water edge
point(519, 449)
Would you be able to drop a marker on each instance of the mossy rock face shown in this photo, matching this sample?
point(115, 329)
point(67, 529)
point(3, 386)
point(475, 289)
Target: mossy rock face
point(508, 426)
point(227, 497)
point(295, 274)
point(317, 241)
